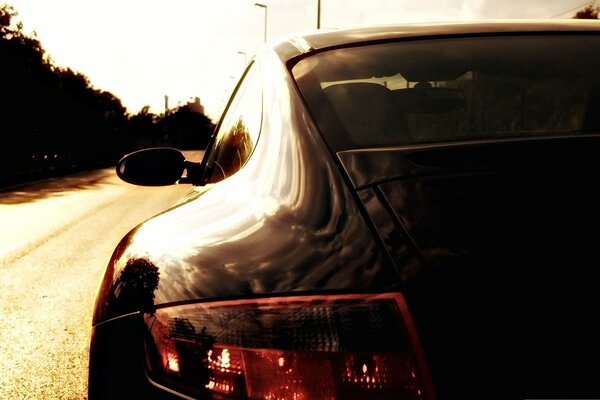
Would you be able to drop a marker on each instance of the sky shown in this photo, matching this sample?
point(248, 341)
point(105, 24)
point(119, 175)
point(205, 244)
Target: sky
point(144, 50)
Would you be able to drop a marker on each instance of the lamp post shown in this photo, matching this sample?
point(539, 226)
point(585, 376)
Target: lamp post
point(265, 7)
point(318, 14)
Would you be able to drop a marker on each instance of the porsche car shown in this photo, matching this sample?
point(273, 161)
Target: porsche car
point(390, 212)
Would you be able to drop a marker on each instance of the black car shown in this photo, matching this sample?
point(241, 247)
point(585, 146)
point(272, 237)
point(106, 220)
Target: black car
point(397, 212)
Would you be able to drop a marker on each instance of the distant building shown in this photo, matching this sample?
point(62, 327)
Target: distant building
point(196, 105)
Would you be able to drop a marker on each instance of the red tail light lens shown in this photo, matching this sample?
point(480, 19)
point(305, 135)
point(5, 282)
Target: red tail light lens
point(306, 347)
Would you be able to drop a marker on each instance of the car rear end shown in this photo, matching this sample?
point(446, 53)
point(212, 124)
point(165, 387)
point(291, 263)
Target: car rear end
point(466, 161)
point(473, 149)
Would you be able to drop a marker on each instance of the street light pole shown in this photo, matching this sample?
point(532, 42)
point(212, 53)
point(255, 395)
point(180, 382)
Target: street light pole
point(265, 7)
point(318, 14)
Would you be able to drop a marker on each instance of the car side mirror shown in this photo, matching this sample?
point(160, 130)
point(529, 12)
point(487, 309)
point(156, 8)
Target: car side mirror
point(157, 166)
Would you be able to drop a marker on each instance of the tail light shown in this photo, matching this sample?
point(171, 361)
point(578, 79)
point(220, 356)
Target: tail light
point(306, 347)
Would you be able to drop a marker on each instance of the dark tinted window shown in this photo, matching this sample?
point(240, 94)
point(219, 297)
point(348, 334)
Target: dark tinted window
point(238, 133)
point(454, 89)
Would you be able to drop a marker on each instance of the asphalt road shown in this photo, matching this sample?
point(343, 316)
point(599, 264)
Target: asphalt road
point(56, 237)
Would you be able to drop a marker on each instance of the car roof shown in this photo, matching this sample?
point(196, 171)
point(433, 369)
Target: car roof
point(322, 39)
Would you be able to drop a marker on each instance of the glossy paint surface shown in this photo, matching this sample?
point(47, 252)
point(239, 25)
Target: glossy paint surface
point(321, 40)
point(285, 223)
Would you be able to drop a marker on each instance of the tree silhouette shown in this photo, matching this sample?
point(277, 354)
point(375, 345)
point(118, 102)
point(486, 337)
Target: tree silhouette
point(590, 12)
point(134, 288)
point(186, 128)
point(58, 121)
point(55, 122)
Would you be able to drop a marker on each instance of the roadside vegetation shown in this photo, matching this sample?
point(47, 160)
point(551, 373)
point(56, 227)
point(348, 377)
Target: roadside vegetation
point(54, 121)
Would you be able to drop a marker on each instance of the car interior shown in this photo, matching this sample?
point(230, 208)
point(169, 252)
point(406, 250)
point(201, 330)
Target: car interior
point(453, 90)
point(591, 119)
point(367, 110)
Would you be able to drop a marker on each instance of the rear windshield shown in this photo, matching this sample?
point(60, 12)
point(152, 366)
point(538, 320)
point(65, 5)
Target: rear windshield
point(442, 90)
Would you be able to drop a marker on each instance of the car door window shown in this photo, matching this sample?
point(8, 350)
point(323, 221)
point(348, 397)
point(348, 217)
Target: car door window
point(238, 133)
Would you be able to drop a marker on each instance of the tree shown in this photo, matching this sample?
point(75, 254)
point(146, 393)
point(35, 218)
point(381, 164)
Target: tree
point(186, 128)
point(55, 121)
point(7, 14)
point(590, 12)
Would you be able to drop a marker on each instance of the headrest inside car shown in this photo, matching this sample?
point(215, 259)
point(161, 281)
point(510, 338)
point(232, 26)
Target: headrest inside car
point(362, 107)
